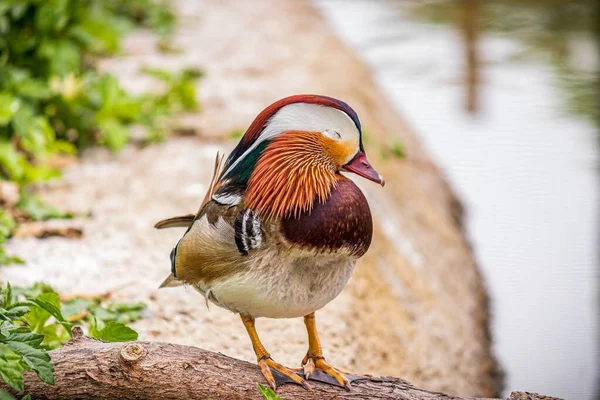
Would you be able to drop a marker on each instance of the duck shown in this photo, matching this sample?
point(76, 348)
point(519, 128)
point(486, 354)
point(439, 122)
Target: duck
point(281, 227)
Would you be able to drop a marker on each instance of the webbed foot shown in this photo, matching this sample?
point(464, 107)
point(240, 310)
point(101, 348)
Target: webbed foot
point(316, 368)
point(282, 375)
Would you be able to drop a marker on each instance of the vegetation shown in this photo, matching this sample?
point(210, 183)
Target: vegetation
point(391, 149)
point(267, 393)
point(35, 320)
point(7, 226)
point(53, 101)
point(236, 134)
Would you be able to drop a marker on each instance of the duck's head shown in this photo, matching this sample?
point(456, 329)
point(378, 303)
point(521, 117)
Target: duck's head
point(293, 153)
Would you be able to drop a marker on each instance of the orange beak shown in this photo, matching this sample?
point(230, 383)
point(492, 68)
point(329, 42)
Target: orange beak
point(362, 167)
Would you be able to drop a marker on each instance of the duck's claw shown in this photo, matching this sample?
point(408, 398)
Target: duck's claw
point(282, 374)
point(319, 370)
point(308, 367)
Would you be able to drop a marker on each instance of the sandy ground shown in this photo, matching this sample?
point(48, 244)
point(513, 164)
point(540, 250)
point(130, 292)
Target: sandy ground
point(415, 308)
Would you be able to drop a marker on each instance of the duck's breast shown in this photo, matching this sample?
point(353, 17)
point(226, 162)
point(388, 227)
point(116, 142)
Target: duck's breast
point(342, 222)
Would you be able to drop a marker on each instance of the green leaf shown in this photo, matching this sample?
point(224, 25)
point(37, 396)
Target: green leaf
point(114, 332)
point(35, 132)
point(4, 395)
point(398, 150)
point(267, 393)
point(161, 19)
point(11, 162)
point(6, 259)
point(113, 134)
point(6, 327)
point(104, 314)
point(76, 306)
point(62, 55)
point(42, 308)
point(22, 41)
point(120, 312)
point(236, 134)
point(34, 173)
point(99, 33)
point(33, 89)
point(22, 119)
point(186, 92)
point(32, 291)
point(61, 146)
point(53, 310)
point(7, 225)
point(19, 8)
point(116, 104)
point(54, 335)
point(7, 299)
point(11, 367)
point(15, 311)
point(128, 312)
point(52, 15)
point(36, 358)
point(104, 311)
point(9, 105)
point(37, 210)
point(159, 74)
point(4, 24)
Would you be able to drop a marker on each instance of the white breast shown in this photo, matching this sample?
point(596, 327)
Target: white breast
point(283, 287)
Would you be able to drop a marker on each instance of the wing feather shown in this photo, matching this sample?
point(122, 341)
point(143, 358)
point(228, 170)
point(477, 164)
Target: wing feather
point(207, 252)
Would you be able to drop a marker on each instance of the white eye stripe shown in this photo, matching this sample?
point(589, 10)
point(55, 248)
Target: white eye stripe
point(303, 116)
point(332, 134)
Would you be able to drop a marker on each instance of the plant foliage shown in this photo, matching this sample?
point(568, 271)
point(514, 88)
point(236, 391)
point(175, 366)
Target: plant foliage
point(21, 346)
point(52, 98)
point(267, 393)
point(34, 320)
point(7, 226)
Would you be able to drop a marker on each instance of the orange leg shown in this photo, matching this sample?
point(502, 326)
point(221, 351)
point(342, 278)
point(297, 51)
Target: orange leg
point(314, 357)
point(264, 360)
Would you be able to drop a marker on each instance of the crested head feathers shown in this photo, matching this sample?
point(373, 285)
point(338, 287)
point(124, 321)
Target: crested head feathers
point(279, 117)
point(291, 154)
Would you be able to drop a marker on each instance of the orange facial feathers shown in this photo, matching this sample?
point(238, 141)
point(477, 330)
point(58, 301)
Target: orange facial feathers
point(296, 169)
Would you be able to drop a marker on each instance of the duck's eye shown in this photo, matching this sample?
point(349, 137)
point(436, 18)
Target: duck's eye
point(332, 134)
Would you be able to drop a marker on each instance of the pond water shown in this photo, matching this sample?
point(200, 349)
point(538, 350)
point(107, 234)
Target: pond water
point(525, 169)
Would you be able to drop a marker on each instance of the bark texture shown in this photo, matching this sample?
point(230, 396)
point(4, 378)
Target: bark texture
point(90, 369)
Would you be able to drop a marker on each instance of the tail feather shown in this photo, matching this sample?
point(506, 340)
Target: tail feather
point(171, 281)
point(183, 221)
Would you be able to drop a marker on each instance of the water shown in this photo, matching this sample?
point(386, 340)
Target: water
point(526, 171)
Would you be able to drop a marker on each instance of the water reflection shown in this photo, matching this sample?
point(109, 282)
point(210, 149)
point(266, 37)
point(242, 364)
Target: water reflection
point(525, 166)
point(560, 33)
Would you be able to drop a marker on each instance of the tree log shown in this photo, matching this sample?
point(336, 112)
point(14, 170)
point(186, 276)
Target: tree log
point(91, 369)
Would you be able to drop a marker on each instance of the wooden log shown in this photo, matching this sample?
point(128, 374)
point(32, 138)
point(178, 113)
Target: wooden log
point(91, 369)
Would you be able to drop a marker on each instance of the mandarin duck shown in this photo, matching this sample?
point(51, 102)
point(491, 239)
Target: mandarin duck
point(280, 229)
